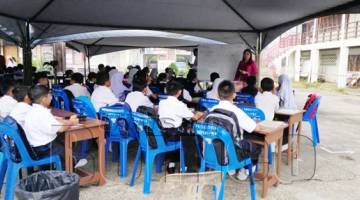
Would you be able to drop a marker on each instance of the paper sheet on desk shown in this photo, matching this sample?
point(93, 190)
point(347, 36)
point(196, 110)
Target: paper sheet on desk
point(287, 111)
point(270, 124)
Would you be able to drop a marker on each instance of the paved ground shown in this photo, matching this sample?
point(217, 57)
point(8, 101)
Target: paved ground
point(336, 176)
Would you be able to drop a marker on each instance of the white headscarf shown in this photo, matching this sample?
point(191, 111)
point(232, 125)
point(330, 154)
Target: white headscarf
point(213, 93)
point(286, 93)
point(112, 72)
point(132, 72)
point(117, 86)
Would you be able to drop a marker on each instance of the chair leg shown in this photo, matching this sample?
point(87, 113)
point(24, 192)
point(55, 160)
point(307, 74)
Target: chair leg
point(313, 133)
point(3, 167)
point(149, 162)
point(159, 162)
point(84, 147)
point(202, 165)
point(317, 130)
point(123, 147)
point(252, 182)
point(221, 192)
point(136, 163)
point(270, 154)
point(58, 163)
point(182, 159)
point(107, 143)
point(13, 171)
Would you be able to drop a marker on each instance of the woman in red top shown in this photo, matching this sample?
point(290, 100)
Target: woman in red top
point(247, 67)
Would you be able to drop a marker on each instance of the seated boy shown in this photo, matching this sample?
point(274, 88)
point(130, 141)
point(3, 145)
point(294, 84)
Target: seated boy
point(41, 79)
point(90, 82)
point(102, 95)
point(172, 112)
point(227, 93)
point(23, 106)
point(266, 100)
point(42, 127)
point(138, 96)
point(76, 87)
point(7, 101)
point(251, 86)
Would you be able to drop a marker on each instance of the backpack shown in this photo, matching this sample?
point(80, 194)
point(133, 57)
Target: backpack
point(309, 102)
point(229, 122)
point(149, 133)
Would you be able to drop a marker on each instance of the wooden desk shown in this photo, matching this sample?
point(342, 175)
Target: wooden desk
point(293, 116)
point(89, 129)
point(271, 132)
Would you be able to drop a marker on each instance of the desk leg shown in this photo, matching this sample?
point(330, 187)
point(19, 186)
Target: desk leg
point(101, 157)
point(278, 161)
point(68, 154)
point(289, 150)
point(298, 140)
point(265, 171)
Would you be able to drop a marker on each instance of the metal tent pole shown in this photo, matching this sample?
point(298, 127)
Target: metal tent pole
point(27, 56)
point(258, 52)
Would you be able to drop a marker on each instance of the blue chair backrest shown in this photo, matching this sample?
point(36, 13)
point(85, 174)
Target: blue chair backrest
point(208, 103)
point(8, 131)
point(245, 99)
point(142, 121)
point(116, 116)
point(155, 89)
point(254, 113)
point(83, 106)
point(209, 133)
point(312, 109)
point(60, 99)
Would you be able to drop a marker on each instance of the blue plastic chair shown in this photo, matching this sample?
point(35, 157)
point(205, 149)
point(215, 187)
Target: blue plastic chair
point(209, 133)
point(208, 103)
point(312, 119)
point(60, 99)
point(12, 168)
point(117, 133)
point(162, 96)
point(155, 89)
point(151, 154)
point(245, 99)
point(83, 106)
point(257, 115)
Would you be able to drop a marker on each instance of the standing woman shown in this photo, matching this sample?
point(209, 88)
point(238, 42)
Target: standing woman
point(247, 67)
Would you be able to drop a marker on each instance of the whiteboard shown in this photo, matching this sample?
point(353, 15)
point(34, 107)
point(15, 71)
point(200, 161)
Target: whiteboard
point(222, 59)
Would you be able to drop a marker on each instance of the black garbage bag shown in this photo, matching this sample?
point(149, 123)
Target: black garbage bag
point(49, 185)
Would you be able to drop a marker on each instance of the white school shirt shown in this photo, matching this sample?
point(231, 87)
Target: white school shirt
point(7, 103)
point(103, 96)
point(19, 113)
point(186, 95)
point(245, 122)
point(136, 99)
point(41, 126)
point(172, 112)
point(78, 90)
point(268, 103)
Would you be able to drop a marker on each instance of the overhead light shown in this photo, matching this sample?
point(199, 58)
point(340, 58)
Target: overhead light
point(9, 33)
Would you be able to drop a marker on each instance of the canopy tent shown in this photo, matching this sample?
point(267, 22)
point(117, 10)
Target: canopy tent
point(229, 21)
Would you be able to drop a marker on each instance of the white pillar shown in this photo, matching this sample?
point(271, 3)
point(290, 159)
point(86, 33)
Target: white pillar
point(297, 64)
point(342, 68)
point(314, 63)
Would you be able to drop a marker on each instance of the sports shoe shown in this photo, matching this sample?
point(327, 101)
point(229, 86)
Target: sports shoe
point(82, 162)
point(241, 175)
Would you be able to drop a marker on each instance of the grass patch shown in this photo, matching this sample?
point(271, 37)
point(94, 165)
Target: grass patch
point(321, 86)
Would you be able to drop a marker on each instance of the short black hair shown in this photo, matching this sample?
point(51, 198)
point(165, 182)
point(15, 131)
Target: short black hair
point(20, 92)
point(101, 67)
point(214, 76)
point(140, 75)
point(146, 70)
point(251, 80)
point(102, 77)
point(267, 84)
point(139, 85)
point(37, 92)
point(161, 77)
point(77, 77)
point(173, 87)
point(91, 75)
point(191, 75)
point(6, 86)
point(226, 89)
point(40, 75)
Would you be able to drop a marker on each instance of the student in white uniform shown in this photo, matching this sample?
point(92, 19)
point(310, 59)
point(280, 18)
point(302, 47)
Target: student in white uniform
point(172, 113)
point(7, 101)
point(76, 87)
point(23, 106)
point(266, 100)
point(102, 95)
point(227, 93)
point(42, 127)
point(138, 96)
